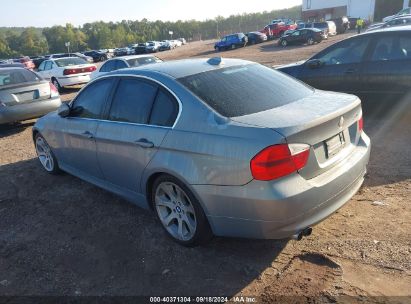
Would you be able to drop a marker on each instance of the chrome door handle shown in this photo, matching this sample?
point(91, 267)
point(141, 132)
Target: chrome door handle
point(350, 71)
point(144, 143)
point(87, 134)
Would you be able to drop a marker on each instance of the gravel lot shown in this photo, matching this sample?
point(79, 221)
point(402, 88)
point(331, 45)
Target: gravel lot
point(62, 236)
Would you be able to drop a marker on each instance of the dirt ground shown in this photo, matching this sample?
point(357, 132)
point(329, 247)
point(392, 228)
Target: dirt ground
point(62, 236)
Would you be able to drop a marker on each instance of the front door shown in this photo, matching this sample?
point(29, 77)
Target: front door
point(76, 143)
point(130, 136)
point(341, 67)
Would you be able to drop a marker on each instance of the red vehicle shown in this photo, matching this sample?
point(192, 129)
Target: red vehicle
point(28, 63)
point(276, 30)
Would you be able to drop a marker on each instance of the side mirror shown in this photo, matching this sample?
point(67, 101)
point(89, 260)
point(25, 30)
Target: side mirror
point(64, 110)
point(314, 63)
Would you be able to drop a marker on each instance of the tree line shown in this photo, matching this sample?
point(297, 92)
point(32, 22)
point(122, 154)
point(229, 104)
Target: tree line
point(31, 41)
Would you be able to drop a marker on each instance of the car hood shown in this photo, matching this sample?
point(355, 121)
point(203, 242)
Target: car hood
point(290, 65)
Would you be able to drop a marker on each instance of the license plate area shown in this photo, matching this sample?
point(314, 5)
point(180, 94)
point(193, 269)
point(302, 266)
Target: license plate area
point(334, 145)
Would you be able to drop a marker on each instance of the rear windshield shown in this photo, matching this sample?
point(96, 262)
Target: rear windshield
point(70, 61)
point(17, 76)
point(142, 60)
point(246, 89)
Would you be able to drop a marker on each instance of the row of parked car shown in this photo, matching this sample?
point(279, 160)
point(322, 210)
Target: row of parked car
point(149, 47)
point(288, 32)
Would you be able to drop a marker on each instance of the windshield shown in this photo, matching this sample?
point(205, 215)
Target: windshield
point(70, 61)
point(246, 89)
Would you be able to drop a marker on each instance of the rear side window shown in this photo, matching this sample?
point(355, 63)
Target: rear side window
point(91, 101)
point(164, 111)
point(133, 101)
point(246, 89)
point(393, 47)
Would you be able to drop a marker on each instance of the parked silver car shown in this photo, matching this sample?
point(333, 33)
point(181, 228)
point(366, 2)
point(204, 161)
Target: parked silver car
point(230, 148)
point(25, 95)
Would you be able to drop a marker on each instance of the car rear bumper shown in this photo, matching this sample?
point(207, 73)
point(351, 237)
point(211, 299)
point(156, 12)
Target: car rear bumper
point(281, 208)
point(73, 80)
point(28, 110)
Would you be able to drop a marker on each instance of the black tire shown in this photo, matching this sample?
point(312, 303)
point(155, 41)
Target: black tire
point(217, 49)
point(310, 41)
point(203, 233)
point(55, 82)
point(284, 43)
point(233, 47)
point(55, 168)
point(103, 58)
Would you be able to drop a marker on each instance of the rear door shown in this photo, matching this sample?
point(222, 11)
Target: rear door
point(139, 118)
point(342, 65)
point(387, 72)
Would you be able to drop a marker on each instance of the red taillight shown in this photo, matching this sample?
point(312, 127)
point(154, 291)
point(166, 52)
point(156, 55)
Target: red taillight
point(53, 90)
point(361, 124)
point(279, 160)
point(79, 70)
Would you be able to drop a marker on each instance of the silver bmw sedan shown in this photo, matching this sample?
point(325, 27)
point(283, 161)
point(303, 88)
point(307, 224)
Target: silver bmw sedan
point(213, 147)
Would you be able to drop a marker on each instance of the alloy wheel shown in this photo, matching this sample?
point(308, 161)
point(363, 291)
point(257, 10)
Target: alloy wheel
point(44, 154)
point(176, 211)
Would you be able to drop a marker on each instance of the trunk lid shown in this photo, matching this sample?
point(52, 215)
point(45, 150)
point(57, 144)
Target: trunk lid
point(27, 92)
point(326, 121)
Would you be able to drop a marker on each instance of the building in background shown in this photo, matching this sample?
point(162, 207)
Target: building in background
point(366, 9)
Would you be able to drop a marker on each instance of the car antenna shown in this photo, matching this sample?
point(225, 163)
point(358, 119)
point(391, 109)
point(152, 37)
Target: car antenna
point(215, 61)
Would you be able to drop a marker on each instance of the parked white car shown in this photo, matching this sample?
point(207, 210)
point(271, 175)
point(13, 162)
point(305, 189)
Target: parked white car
point(123, 63)
point(152, 47)
point(66, 72)
point(405, 11)
point(332, 28)
point(177, 43)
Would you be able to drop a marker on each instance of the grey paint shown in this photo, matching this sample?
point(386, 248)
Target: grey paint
point(211, 155)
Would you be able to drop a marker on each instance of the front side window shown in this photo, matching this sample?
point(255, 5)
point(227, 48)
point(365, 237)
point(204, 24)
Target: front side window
point(346, 52)
point(120, 64)
point(91, 101)
point(133, 101)
point(246, 89)
point(108, 66)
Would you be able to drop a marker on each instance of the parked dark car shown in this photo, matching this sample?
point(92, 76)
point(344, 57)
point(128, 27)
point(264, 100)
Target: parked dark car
point(375, 66)
point(342, 23)
point(37, 60)
point(256, 37)
point(400, 21)
point(25, 95)
point(96, 55)
point(323, 26)
point(352, 22)
point(302, 36)
point(231, 42)
point(140, 48)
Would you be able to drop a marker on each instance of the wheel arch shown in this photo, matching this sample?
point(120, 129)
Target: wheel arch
point(152, 177)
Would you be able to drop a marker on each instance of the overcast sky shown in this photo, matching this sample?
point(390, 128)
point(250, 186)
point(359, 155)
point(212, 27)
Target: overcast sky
point(42, 13)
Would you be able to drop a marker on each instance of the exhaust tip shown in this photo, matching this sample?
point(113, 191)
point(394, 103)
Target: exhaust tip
point(299, 236)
